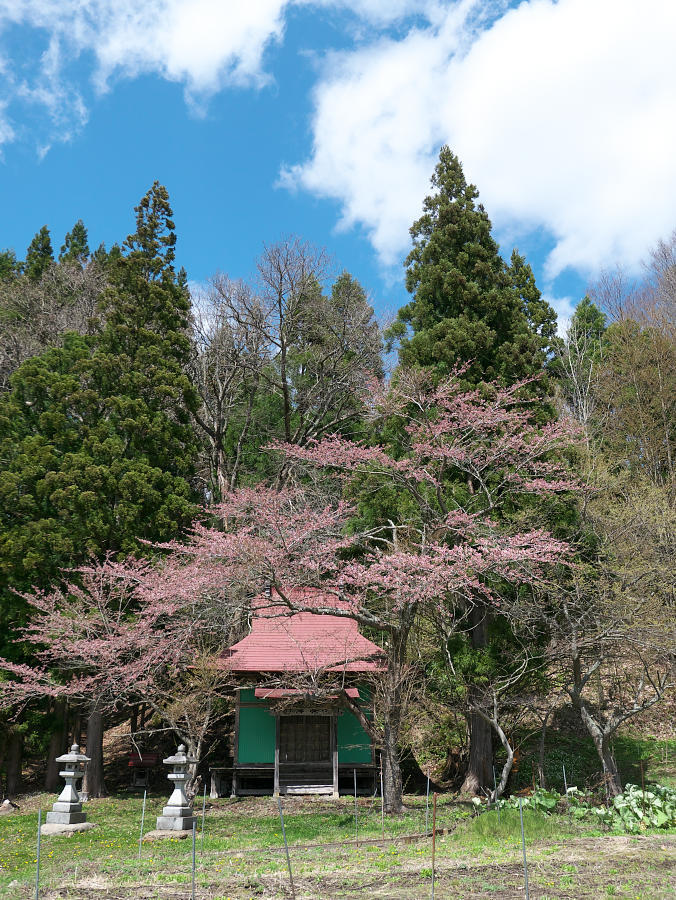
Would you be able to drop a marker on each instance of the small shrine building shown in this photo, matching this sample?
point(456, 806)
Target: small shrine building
point(291, 738)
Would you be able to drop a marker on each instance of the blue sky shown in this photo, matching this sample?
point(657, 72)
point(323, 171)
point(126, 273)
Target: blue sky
point(324, 119)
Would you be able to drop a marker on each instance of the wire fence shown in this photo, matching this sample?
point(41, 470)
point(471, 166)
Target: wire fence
point(242, 864)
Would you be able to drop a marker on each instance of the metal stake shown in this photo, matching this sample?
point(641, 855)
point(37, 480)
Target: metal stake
point(617, 770)
point(382, 799)
point(434, 837)
point(427, 805)
point(286, 847)
point(495, 793)
point(194, 832)
point(523, 845)
point(356, 825)
point(204, 803)
point(643, 789)
point(37, 867)
point(143, 815)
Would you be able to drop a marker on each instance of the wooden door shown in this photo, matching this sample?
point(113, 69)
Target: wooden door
point(305, 739)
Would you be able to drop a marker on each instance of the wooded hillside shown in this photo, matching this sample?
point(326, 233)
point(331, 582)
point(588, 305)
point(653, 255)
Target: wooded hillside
point(499, 510)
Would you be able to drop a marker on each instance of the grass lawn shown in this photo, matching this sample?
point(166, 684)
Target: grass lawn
point(243, 855)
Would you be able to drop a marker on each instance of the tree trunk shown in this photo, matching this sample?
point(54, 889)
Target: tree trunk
point(392, 782)
point(194, 750)
point(222, 477)
point(610, 767)
point(77, 728)
point(392, 694)
point(57, 746)
point(133, 722)
point(602, 743)
point(542, 781)
point(479, 773)
point(93, 784)
point(14, 758)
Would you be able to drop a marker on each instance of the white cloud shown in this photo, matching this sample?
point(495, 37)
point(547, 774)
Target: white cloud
point(376, 133)
point(562, 113)
point(206, 45)
point(6, 131)
point(564, 307)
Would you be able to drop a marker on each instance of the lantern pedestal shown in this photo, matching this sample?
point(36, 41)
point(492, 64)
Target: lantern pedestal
point(177, 815)
point(68, 809)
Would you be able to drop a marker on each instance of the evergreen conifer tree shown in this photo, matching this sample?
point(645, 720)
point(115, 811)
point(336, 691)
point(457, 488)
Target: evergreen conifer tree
point(75, 248)
point(471, 308)
point(588, 319)
point(96, 447)
point(10, 267)
point(39, 255)
point(468, 306)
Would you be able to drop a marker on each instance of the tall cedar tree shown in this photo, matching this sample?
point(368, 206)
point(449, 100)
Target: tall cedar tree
point(96, 444)
point(470, 309)
point(468, 305)
point(10, 267)
point(75, 248)
point(96, 448)
point(39, 255)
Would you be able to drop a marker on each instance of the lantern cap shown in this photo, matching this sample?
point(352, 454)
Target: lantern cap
point(74, 756)
point(179, 758)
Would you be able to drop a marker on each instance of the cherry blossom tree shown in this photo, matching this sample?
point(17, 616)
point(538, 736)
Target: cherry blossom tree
point(449, 554)
point(463, 458)
point(444, 555)
point(119, 633)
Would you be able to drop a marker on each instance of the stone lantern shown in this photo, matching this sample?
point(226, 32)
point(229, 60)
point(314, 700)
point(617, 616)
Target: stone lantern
point(68, 810)
point(177, 815)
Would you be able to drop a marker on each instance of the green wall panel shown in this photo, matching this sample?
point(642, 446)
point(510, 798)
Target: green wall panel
point(354, 745)
point(248, 695)
point(257, 729)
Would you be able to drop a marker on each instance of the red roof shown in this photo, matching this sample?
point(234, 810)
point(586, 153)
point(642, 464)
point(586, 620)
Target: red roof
point(282, 641)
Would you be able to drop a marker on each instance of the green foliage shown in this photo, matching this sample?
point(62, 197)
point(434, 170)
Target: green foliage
point(10, 267)
point(638, 387)
point(154, 241)
point(636, 810)
point(471, 308)
point(96, 444)
point(540, 800)
point(588, 318)
point(539, 824)
point(75, 248)
point(468, 305)
point(39, 255)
